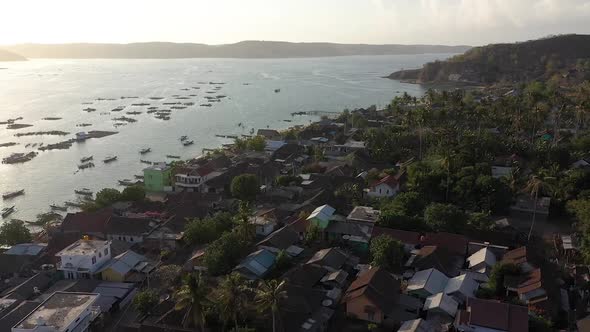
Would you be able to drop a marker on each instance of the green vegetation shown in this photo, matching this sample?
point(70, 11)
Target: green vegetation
point(192, 297)
point(224, 253)
point(245, 187)
point(145, 301)
point(207, 229)
point(108, 196)
point(386, 253)
point(256, 143)
point(268, 298)
point(14, 232)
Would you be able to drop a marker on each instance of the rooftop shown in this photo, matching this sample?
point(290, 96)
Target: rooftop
point(432, 280)
point(59, 310)
point(83, 247)
point(32, 249)
point(364, 214)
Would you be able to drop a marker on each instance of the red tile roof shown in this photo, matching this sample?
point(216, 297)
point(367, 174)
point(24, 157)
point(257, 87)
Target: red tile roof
point(517, 256)
point(495, 315)
point(407, 237)
point(300, 225)
point(453, 243)
point(377, 286)
point(204, 170)
point(87, 222)
point(389, 180)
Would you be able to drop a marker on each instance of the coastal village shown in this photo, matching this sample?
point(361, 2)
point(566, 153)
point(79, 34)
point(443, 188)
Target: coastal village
point(335, 226)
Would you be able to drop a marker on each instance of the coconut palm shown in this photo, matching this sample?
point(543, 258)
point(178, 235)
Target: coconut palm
point(232, 298)
point(535, 186)
point(268, 297)
point(192, 297)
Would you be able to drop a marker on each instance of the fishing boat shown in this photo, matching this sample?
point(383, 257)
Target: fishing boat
point(139, 177)
point(13, 194)
point(277, 90)
point(126, 183)
point(187, 143)
point(145, 161)
point(58, 207)
point(74, 204)
point(89, 109)
point(172, 156)
point(109, 159)
point(146, 150)
point(7, 211)
point(86, 165)
point(206, 105)
point(86, 159)
point(83, 192)
point(183, 138)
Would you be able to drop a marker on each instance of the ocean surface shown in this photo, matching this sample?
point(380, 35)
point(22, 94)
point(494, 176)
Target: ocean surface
point(37, 89)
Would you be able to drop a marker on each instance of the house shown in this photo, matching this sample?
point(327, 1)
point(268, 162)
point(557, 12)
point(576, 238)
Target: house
point(305, 309)
point(86, 223)
point(582, 163)
point(454, 244)
point(125, 266)
point(273, 145)
point(257, 264)
point(415, 325)
point(331, 259)
point(132, 230)
point(434, 257)
point(61, 312)
point(388, 186)
point(426, 283)
point(524, 207)
point(482, 261)
point(284, 238)
point(527, 286)
point(375, 297)
point(27, 249)
point(349, 146)
point(321, 216)
point(461, 287)
point(409, 239)
point(518, 257)
point(488, 315)
point(269, 134)
point(191, 178)
point(84, 258)
point(364, 215)
point(356, 235)
point(157, 178)
point(441, 304)
point(265, 221)
point(499, 172)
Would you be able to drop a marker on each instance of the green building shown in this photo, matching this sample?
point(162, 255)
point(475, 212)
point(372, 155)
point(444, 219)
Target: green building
point(321, 216)
point(157, 178)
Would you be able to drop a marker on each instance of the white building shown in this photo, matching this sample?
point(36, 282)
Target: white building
point(386, 187)
point(84, 258)
point(192, 179)
point(61, 312)
point(265, 222)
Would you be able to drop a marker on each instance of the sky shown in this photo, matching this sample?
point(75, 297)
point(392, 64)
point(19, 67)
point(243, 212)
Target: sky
point(447, 22)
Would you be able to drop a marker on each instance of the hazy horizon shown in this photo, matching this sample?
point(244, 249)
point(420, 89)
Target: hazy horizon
point(431, 22)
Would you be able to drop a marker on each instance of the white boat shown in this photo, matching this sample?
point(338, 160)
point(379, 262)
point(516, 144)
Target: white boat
point(109, 159)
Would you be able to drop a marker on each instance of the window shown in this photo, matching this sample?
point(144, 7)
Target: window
point(371, 316)
point(93, 259)
point(99, 254)
point(131, 238)
point(106, 251)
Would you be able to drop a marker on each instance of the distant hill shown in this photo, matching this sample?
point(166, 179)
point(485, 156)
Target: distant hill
point(9, 56)
point(537, 59)
point(246, 49)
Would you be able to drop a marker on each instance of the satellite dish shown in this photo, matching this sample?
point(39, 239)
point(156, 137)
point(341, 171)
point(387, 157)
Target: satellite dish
point(327, 302)
point(346, 237)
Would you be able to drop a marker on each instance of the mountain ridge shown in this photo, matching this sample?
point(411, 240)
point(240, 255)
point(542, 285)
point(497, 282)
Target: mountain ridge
point(525, 61)
point(243, 49)
point(10, 56)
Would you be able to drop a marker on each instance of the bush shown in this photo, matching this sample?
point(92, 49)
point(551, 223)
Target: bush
point(145, 301)
point(208, 229)
point(386, 252)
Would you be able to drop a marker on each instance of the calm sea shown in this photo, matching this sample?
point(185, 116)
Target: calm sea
point(58, 88)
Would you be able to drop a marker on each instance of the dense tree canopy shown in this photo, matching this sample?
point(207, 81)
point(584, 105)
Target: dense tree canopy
point(245, 187)
point(14, 232)
point(386, 253)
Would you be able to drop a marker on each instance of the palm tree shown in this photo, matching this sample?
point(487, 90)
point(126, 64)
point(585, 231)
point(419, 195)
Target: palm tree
point(244, 227)
point(192, 297)
point(232, 298)
point(445, 163)
point(268, 297)
point(535, 186)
